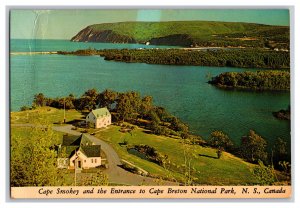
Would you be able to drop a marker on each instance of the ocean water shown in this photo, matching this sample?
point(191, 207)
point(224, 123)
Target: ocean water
point(182, 90)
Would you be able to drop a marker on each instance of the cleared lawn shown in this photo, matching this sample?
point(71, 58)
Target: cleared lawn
point(207, 169)
point(24, 133)
point(49, 114)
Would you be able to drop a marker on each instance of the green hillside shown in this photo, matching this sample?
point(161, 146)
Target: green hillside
point(200, 32)
point(206, 168)
point(143, 31)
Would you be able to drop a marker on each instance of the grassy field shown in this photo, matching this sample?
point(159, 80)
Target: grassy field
point(48, 114)
point(24, 133)
point(207, 169)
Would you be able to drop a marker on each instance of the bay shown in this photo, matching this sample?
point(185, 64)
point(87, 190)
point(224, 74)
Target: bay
point(182, 90)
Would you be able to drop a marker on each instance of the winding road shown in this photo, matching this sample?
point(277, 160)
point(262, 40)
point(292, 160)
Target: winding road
point(115, 173)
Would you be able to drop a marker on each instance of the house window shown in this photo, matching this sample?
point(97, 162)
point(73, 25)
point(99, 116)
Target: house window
point(92, 160)
point(95, 160)
point(85, 161)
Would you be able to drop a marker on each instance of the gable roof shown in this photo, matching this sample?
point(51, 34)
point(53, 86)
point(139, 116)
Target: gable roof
point(100, 112)
point(67, 151)
point(91, 151)
point(82, 142)
point(71, 140)
point(76, 140)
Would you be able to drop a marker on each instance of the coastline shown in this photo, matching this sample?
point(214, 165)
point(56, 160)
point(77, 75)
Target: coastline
point(33, 53)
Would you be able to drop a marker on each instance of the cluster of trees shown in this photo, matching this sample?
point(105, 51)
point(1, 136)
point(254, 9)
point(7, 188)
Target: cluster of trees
point(258, 80)
point(222, 41)
point(253, 148)
point(125, 106)
point(229, 57)
point(83, 52)
point(151, 154)
point(280, 160)
point(248, 58)
point(33, 160)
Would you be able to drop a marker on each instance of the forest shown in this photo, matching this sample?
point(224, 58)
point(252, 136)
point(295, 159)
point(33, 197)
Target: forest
point(246, 58)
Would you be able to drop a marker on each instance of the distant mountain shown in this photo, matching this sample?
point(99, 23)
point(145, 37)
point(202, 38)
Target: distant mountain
point(188, 33)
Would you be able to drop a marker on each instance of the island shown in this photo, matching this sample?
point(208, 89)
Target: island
point(283, 114)
point(253, 80)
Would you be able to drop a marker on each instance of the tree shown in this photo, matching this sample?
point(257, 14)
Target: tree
point(153, 116)
point(69, 101)
point(220, 140)
point(279, 152)
point(87, 101)
point(25, 108)
point(264, 174)
point(146, 106)
point(107, 98)
point(124, 109)
point(33, 158)
point(253, 147)
point(65, 102)
point(128, 105)
point(91, 98)
point(39, 100)
point(177, 125)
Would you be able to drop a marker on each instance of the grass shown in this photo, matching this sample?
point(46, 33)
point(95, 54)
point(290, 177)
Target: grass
point(24, 132)
point(143, 31)
point(208, 170)
point(48, 114)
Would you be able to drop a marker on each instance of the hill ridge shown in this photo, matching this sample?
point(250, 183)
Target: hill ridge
point(202, 33)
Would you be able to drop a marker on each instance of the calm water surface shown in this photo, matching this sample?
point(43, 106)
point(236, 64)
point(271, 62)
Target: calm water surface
point(183, 90)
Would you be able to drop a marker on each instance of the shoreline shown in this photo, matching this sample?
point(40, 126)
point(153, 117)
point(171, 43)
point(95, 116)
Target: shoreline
point(69, 52)
point(33, 53)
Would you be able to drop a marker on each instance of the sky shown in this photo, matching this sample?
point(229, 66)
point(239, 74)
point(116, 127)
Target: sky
point(64, 24)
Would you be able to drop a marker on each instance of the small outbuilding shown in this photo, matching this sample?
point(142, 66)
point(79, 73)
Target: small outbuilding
point(99, 118)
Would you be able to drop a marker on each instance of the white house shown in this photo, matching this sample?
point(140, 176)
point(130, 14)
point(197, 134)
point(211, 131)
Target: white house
point(99, 118)
point(78, 152)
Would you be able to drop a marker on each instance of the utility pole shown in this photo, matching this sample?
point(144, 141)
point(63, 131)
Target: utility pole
point(75, 165)
point(64, 110)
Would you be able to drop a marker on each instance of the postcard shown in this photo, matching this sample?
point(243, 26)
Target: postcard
point(144, 103)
